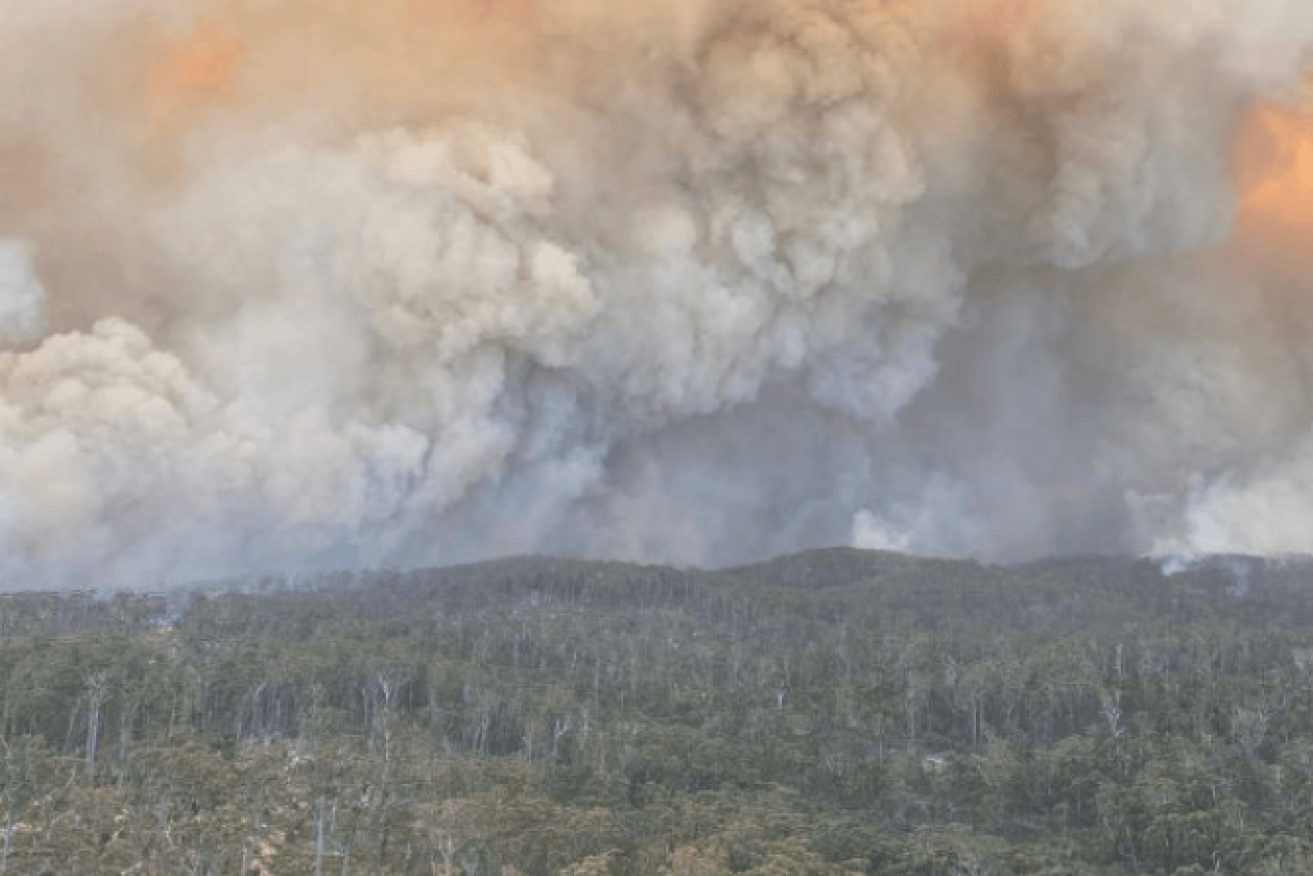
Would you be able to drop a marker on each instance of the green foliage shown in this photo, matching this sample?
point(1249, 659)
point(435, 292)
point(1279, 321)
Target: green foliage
point(836, 712)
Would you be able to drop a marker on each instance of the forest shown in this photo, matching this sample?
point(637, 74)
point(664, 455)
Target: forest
point(832, 713)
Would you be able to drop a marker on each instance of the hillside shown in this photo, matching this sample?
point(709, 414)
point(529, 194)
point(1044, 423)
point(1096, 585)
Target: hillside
point(831, 712)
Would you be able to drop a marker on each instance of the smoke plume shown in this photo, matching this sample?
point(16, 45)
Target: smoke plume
point(297, 283)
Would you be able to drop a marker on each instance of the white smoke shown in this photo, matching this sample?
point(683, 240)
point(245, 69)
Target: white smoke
point(22, 300)
point(679, 282)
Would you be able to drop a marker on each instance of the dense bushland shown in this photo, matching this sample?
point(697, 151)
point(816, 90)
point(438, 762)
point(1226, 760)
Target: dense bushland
point(832, 712)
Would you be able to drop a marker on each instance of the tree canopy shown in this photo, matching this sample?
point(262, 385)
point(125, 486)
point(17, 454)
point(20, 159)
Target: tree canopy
point(834, 712)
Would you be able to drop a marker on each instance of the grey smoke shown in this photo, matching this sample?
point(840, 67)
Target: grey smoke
point(678, 282)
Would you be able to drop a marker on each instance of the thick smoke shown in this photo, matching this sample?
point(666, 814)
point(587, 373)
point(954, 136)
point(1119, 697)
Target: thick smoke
point(295, 283)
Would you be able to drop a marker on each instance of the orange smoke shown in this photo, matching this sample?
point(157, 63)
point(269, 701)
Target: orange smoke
point(193, 72)
point(394, 58)
point(1275, 174)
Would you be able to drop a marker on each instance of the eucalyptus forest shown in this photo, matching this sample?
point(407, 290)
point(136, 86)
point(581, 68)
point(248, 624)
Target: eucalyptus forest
point(834, 712)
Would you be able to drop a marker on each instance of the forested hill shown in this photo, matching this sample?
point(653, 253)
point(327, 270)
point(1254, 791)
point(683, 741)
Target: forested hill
point(836, 711)
point(1059, 595)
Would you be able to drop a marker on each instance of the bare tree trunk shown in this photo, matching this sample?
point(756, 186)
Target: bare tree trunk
point(97, 684)
point(9, 833)
point(387, 686)
point(11, 799)
point(560, 728)
point(319, 836)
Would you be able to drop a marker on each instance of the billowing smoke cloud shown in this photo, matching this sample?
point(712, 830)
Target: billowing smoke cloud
point(294, 283)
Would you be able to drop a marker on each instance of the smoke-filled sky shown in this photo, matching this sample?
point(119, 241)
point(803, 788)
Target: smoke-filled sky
point(305, 283)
